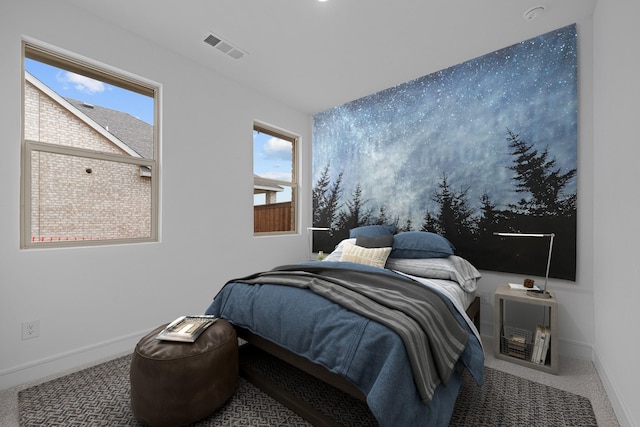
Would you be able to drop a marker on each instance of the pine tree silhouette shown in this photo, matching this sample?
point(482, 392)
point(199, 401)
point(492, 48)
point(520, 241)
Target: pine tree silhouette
point(537, 175)
point(454, 220)
point(326, 199)
point(354, 215)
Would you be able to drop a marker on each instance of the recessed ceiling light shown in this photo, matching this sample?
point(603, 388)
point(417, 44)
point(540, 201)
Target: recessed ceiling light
point(533, 13)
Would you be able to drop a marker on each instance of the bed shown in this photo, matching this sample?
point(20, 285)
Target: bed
point(397, 338)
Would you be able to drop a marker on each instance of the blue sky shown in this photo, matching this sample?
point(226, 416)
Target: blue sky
point(272, 159)
point(71, 85)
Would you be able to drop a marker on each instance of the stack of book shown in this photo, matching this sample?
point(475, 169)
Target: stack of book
point(541, 345)
point(186, 328)
point(517, 346)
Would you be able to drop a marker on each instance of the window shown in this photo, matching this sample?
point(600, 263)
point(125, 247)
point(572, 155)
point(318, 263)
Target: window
point(90, 153)
point(274, 180)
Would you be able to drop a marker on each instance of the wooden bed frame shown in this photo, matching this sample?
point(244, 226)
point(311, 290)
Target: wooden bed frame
point(299, 406)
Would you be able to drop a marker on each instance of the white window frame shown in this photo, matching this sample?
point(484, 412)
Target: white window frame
point(149, 166)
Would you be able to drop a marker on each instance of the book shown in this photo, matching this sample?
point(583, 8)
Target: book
point(516, 346)
point(544, 340)
point(545, 346)
point(522, 288)
point(186, 328)
point(534, 347)
point(538, 343)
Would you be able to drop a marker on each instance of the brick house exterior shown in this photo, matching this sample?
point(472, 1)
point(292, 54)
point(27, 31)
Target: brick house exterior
point(82, 198)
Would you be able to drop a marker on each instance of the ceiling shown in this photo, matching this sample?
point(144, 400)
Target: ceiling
point(314, 55)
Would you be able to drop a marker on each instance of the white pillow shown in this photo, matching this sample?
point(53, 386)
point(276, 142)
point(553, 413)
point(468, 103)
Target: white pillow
point(337, 252)
point(450, 268)
point(376, 257)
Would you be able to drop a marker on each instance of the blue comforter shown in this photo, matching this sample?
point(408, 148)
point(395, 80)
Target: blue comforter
point(370, 355)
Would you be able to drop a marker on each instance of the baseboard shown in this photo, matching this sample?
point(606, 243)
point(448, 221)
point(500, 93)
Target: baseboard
point(575, 349)
point(621, 411)
point(70, 361)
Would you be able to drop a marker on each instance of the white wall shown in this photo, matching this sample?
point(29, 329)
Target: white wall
point(617, 202)
point(95, 302)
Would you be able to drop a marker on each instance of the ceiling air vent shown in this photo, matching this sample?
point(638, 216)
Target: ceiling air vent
point(224, 46)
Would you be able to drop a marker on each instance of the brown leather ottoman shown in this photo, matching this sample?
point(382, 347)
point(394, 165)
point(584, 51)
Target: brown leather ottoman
point(176, 383)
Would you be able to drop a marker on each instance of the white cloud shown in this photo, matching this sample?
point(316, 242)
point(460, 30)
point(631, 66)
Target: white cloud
point(81, 83)
point(278, 148)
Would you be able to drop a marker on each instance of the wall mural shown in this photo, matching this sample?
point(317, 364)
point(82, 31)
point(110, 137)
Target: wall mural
point(484, 146)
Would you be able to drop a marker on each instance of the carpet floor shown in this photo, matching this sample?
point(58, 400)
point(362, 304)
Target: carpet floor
point(99, 396)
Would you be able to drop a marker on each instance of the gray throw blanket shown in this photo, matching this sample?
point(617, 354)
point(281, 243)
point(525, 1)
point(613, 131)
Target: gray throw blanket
point(430, 331)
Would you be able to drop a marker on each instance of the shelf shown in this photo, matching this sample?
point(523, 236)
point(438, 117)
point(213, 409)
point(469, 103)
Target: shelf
point(516, 345)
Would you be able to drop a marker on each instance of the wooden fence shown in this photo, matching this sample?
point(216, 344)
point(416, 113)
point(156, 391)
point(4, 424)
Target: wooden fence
point(272, 217)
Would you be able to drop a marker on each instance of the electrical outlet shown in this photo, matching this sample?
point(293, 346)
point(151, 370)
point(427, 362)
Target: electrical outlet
point(30, 329)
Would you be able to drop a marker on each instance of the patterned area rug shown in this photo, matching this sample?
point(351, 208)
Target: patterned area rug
point(508, 400)
point(99, 396)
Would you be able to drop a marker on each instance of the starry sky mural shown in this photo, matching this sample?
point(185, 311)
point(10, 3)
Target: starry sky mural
point(398, 144)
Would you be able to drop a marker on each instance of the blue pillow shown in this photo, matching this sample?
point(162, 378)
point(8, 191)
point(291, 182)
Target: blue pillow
point(372, 231)
point(374, 242)
point(420, 244)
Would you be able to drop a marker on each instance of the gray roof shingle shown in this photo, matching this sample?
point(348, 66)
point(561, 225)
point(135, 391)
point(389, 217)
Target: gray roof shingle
point(132, 131)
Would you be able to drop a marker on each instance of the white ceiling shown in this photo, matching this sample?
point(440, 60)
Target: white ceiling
point(315, 55)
